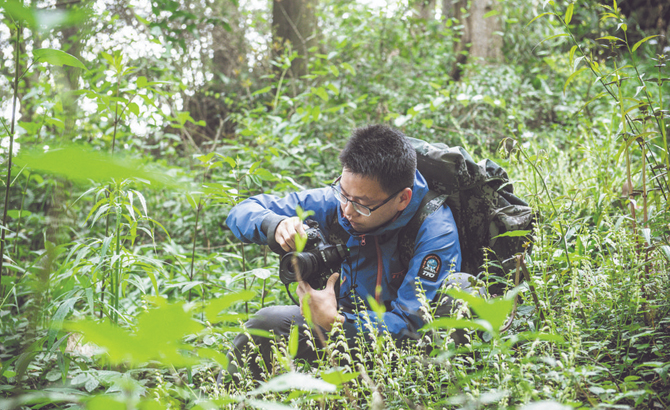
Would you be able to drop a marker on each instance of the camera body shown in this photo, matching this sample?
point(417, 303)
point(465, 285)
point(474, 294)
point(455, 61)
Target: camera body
point(315, 263)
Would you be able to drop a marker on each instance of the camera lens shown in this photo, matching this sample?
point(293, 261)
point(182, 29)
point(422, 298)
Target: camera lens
point(305, 262)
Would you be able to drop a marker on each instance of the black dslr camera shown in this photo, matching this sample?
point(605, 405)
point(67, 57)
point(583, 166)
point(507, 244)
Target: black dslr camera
point(315, 263)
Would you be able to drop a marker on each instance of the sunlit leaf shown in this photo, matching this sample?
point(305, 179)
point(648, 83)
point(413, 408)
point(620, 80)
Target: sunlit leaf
point(57, 57)
point(644, 40)
point(513, 234)
point(215, 306)
point(80, 164)
point(568, 13)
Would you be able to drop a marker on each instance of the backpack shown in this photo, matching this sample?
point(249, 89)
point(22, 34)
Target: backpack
point(482, 201)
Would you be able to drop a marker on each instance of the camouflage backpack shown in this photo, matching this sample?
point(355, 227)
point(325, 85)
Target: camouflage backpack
point(482, 201)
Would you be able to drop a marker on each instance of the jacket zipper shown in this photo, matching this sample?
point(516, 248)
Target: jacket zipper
point(380, 270)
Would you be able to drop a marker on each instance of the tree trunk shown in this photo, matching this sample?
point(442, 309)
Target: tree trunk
point(67, 78)
point(295, 22)
point(425, 9)
point(480, 40)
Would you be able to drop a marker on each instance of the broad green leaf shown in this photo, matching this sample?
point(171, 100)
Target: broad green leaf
point(572, 77)
point(262, 274)
point(80, 164)
point(262, 90)
point(453, 323)
point(611, 38)
point(493, 311)
point(513, 234)
point(644, 40)
point(338, 377)
point(57, 320)
point(215, 355)
point(293, 341)
point(491, 14)
point(572, 55)
point(215, 306)
point(349, 68)
point(134, 108)
point(321, 92)
point(16, 213)
point(568, 13)
point(141, 81)
point(57, 57)
point(666, 251)
point(334, 70)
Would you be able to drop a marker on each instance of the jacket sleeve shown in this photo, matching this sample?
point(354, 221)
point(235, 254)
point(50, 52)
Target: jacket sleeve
point(437, 254)
point(252, 219)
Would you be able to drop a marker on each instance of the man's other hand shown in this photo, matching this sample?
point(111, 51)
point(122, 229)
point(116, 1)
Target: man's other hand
point(286, 231)
point(322, 303)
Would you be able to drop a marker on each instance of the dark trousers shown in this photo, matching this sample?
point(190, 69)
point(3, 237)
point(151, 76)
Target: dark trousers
point(279, 319)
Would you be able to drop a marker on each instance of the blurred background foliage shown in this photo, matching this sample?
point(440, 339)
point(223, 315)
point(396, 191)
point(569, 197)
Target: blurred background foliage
point(138, 125)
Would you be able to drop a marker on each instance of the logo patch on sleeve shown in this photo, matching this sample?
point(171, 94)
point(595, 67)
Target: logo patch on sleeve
point(430, 268)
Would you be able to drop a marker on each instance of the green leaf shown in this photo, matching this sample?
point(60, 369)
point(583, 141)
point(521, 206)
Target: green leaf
point(568, 13)
point(141, 81)
point(551, 38)
point(57, 320)
point(57, 57)
point(321, 92)
point(491, 14)
point(338, 377)
point(80, 164)
point(134, 108)
point(349, 68)
point(540, 15)
point(644, 40)
point(293, 341)
point(611, 38)
point(262, 90)
point(493, 311)
point(215, 306)
point(16, 214)
point(215, 355)
point(513, 234)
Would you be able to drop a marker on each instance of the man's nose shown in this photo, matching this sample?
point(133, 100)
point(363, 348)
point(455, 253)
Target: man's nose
point(349, 210)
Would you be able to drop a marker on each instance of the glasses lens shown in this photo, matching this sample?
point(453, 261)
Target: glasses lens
point(363, 210)
point(338, 195)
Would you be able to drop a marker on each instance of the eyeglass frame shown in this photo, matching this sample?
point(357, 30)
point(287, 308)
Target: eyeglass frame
point(355, 204)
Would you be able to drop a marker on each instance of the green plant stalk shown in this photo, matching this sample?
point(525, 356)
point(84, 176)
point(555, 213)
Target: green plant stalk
point(15, 98)
point(195, 232)
point(117, 271)
point(662, 120)
point(600, 77)
point(551, 202)
point(18, 224)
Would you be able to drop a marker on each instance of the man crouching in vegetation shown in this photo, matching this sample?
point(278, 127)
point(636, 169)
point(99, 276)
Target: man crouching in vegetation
point(377, 194)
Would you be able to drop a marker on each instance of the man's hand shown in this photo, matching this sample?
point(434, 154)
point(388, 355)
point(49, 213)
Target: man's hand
point(322, 303)
point(286, 231)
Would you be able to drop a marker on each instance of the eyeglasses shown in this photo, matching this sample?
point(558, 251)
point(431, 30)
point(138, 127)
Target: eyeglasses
point(361, 209)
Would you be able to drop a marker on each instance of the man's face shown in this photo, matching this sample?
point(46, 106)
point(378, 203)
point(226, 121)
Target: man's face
point(368, 192)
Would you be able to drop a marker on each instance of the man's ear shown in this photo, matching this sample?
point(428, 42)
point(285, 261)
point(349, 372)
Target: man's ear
point(405, 198)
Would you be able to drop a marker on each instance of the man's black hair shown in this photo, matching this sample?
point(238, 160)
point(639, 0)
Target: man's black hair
point(383, 154)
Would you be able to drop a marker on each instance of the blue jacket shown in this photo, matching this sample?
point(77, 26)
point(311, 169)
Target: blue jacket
point(437, 252)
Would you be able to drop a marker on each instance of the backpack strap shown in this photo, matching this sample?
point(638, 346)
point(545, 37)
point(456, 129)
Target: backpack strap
point(430, 203)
